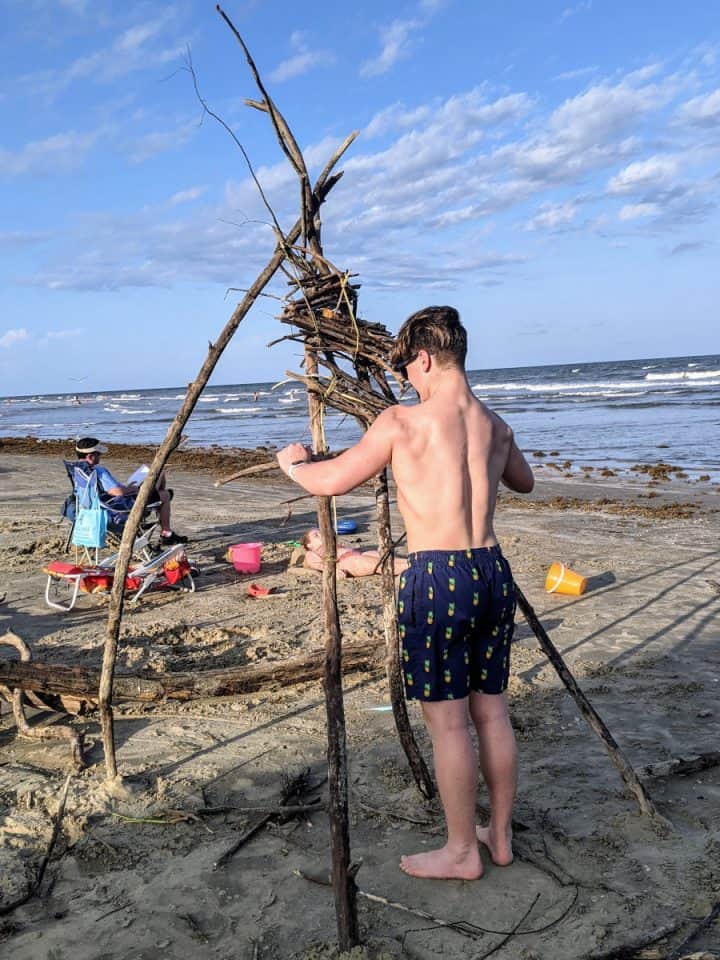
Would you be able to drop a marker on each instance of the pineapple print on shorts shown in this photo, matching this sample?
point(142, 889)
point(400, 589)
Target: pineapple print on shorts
point(428, 641)
point(451, 609)
point(401, 631)
point(402, 583)
point(489, 653)
point(475, 574)
point(406, 655)
point(409, 679)
point(426, 690)
point(448, 633)
point(498, 565)
point(451, 584)
point(430, 617)
point(401, 607)
point(426, 666)
point(483, 674)
point(505, 587)
point(429, 567)
point(447, 676)
point(451, 560)
point(431, 592)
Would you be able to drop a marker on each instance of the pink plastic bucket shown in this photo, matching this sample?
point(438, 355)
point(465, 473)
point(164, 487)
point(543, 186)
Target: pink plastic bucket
point(245, 557)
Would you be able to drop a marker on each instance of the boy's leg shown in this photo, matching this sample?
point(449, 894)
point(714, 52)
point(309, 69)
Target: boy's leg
point(498, 762)
point(456, 772)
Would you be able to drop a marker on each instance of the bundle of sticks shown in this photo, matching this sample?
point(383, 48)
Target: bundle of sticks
point(322, 308)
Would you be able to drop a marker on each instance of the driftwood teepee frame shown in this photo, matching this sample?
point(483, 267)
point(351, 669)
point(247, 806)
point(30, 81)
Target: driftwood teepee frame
point(322, 309)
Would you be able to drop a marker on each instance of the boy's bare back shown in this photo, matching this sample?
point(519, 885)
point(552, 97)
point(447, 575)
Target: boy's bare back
point(448, 457)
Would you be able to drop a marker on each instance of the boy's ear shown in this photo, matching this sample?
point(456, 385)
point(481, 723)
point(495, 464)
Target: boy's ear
point(425, 360)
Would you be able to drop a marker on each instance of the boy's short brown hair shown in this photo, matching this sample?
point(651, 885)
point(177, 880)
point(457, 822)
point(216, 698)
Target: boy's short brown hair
point(435, 329)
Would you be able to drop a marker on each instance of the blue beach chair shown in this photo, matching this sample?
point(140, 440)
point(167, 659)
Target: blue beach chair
point(88, 495)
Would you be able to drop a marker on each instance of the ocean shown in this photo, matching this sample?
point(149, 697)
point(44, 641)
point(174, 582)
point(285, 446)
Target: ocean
point(614, 414)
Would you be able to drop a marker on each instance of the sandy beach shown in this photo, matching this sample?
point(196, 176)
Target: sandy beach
point(132, 874)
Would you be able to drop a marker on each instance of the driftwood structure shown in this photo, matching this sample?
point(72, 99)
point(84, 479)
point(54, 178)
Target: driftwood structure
point(345, 368)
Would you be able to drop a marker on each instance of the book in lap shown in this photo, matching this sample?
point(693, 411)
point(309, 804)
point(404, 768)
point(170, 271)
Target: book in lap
point(137, 478)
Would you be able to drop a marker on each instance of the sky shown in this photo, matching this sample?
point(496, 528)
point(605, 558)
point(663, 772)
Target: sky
point(550, 168)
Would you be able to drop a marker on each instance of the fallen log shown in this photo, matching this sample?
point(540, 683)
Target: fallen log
point(83, 683)
point(682, 766)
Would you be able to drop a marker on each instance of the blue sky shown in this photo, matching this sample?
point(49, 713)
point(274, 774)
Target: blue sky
point(551, 168)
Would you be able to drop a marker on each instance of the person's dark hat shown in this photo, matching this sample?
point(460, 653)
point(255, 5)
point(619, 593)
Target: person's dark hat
point(87, 445)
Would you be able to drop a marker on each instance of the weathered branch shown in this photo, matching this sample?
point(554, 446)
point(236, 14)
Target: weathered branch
point(84, 683)
point(616, 754)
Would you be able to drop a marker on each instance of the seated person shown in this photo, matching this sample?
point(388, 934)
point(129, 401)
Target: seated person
point(90, 449)
point(350, 562)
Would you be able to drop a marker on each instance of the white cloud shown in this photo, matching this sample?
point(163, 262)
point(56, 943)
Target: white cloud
point(11, 337)
point(396, 40)
point(576, 74)
point(606, 110)
point(17, 239)
point(702, 111)
point(63, 334)
point(583, 7)
point(132, 50)
point(655, 172)
point(636, 211)
point(186, 196)
point(302, 61)
point(161, 141)
point(553, 216)
point(58, 153)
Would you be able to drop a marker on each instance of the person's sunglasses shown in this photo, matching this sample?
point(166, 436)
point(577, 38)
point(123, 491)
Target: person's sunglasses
point(402, 365)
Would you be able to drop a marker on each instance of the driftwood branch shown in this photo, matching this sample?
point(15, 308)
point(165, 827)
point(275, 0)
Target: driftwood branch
point(682, 766)
point(392, 643)
point(73, 737)
point(593, 718)
point(84, 683)
point(292, 790)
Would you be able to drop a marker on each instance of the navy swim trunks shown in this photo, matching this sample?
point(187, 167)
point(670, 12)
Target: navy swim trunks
point(456, 612)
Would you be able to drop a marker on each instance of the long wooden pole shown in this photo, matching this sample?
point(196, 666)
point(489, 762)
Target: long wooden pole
point(344, 889)
point(616, 754)
point(392, 642)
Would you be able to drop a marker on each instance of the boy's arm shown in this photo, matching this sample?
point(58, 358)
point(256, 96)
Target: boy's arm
point(328, 478)
point(517, 475)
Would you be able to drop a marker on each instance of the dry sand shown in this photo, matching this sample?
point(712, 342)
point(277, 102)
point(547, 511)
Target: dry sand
point(643, 641)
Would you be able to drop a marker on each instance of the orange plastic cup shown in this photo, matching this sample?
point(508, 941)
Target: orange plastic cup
point(560, 579)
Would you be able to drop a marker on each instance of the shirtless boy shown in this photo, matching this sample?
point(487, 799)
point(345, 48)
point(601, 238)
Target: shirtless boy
point(350, 562)
point(456, 601)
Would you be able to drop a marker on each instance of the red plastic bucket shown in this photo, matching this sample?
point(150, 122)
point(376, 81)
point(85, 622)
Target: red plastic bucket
point(245, 557)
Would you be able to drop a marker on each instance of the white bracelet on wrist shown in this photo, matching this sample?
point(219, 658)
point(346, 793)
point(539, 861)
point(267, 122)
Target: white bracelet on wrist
point(293, 466)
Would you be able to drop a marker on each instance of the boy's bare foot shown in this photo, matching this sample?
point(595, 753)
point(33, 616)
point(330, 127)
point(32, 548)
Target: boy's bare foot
point(500, 847)
point(443, 865)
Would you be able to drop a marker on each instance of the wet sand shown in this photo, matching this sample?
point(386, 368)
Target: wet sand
point(133, 871)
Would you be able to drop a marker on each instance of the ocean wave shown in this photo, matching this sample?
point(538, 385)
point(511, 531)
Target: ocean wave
point(234, 409)
point(650, 381)
point(685, 375)
point(116, 408)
